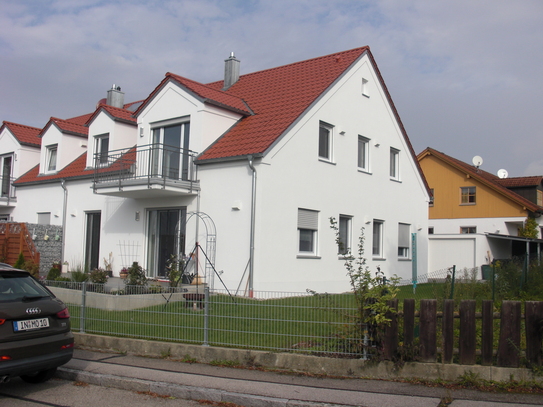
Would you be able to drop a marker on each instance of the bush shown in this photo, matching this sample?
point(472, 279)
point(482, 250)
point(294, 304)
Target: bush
point(20, 261)
point(98, 276)
point(53, 274)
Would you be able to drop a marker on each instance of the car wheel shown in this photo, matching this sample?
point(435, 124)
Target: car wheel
point(39, 377)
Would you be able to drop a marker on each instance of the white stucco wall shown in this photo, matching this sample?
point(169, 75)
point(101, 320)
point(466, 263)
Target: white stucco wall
point(69, 147)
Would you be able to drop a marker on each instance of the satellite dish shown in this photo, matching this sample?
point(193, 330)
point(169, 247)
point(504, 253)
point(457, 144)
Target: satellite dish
point(503, 173)
point(477, 161)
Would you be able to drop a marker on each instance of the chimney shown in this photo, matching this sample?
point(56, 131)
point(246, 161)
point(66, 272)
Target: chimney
point(115, 97)
point(231, 71)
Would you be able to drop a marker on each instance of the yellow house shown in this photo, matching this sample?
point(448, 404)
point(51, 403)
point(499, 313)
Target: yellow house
point(475, 216)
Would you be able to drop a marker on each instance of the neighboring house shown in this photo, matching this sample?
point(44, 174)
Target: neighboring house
point(475, 216)
point(248, 171)
point(19, 151)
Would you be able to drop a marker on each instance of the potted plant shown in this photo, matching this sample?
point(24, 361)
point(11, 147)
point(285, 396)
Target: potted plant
point(123, 273)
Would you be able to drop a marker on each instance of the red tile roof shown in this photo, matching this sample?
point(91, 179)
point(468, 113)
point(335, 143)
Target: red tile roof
point(75, 169)
point(80, 119)
point(25, 135)
point(202, 92)
point(278, 97)
point(67, 126)
point(115, 113)
point(486, 178)
point(519, 182)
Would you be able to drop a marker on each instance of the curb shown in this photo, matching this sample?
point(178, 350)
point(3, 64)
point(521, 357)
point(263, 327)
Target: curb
point(180, 391)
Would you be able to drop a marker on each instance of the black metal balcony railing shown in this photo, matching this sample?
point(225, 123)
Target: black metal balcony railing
point(145, 165)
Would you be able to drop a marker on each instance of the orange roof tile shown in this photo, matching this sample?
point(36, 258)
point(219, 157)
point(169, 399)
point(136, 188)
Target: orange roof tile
point(25, 135)
point(278, 97)
point(490, 180)
point(75, 169)
point(115, 113)
point(519, 182)
point(67, 126)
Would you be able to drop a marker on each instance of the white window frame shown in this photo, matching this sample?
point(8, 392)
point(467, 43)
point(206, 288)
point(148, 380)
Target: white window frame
point(52, 158)
point(468, 230)
point(308, 226)
point(394, 164)
point(101, 157)
point(363, 155)
point(344, 234)
point(43, 218)
point(328, 144)
point(378, 239)
point(404, 241)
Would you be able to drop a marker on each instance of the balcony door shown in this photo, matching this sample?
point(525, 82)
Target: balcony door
point(170, 156)
point(165, 237)
point(6, 175)
point(92, 243)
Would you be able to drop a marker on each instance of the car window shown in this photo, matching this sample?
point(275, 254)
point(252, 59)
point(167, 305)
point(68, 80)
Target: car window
point(15, 288)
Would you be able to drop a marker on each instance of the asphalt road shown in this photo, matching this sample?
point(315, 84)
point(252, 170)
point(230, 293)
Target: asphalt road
point(65, 393)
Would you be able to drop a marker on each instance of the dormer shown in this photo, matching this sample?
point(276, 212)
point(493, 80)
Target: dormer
point(19, 152)
point(61, 141)
point(111, 129)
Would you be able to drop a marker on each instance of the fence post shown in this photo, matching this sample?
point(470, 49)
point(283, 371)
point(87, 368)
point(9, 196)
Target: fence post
point(487, 334)
point(206, 316)
point(83, 307)
point(391, 331)
point(467, 345)
point(452, 283)
point(534, 324)
point(509, 343)
point(428, 331)
point(447, 329)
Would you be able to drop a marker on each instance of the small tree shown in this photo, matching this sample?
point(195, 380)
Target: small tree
point(19, 264)
point(372, 292)
point(530, 228)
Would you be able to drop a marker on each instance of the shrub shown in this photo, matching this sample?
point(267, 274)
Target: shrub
point(98, 276)
point(136, 275)
point(20, 261)
point(53, 274)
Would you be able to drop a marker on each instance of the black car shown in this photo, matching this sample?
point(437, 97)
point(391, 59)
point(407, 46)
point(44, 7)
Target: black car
point(35, 336)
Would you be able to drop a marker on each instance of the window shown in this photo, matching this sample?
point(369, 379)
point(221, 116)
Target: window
point(308, 222)
point(6, 176)
point(432, 195)
point(363, 153)
point(468, 229)
point(344, 244)
point(101, 149)
point(540, 198)
point(394, 164)
point(404, 235)
point(171, 154)
point(365, 87)
point(467, 195)
point(44, 218)
point(325, 141)
point(431, 230)
point(377, 244)
point(52, 158)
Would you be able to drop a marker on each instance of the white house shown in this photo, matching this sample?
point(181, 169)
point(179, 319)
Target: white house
point(19, 151)
point(248, 171)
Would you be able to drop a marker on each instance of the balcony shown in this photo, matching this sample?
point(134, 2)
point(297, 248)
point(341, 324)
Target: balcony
point(150, 171)
point(8, 198)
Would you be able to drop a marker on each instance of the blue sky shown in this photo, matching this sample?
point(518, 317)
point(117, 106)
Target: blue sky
point(466, 76)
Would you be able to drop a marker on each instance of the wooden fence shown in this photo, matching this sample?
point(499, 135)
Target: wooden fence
point(518, 335)
point(15, 239)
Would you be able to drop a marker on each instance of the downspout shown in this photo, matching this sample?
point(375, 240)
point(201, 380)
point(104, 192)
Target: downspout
point(63, 185)
point(252, 236)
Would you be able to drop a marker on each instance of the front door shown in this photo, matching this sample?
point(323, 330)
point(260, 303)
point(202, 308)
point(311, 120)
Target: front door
point(92, 243)
point(166, 237)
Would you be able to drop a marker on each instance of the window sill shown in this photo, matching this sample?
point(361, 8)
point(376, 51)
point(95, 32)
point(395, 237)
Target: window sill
point(378, 258)
point(396, 180)
point(362, 170)
point(308, 256)
point(403, 259)
point(324, 160)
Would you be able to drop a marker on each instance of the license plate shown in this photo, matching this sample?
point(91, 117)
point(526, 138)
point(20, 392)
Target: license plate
point(30, 324)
